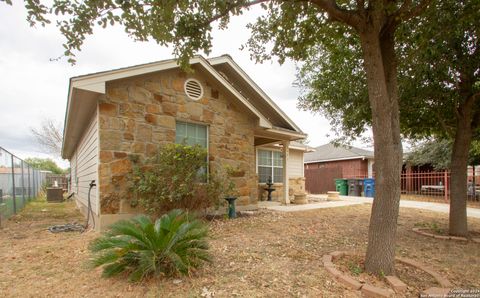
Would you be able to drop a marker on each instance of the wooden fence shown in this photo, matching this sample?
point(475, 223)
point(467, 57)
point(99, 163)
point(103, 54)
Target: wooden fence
point(318, 181)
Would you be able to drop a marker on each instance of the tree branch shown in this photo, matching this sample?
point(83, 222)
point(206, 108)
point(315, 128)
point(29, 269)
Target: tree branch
point(336, 13)
point(406, 11)
point(231, 7)
point(360, 5)
point(446, 128)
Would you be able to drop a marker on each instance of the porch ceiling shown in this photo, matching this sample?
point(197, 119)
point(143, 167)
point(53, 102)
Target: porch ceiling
point(264, 141)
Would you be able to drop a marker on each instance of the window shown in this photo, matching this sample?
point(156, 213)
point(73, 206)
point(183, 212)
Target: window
point(270, 165)
point(191, 134)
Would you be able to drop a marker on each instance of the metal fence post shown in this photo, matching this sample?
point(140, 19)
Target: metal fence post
point(29, 185)
point(13, 184)
point(23, 184)
point(34, 192)
point(35, 182)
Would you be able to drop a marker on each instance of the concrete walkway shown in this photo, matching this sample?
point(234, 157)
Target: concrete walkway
point(292, 207)
point(348, 201)
point(436, 207)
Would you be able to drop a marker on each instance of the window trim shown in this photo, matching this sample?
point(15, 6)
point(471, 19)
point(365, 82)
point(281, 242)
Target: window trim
point(271, 150)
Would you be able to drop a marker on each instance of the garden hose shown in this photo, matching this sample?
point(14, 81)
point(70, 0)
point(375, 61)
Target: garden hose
point(89, 208)
point(75, 227)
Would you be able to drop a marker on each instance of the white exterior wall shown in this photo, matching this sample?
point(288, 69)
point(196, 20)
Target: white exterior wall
point(295, 163)
point(84, 166)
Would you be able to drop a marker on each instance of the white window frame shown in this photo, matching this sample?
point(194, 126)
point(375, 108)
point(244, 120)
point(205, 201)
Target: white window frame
point(272, 166)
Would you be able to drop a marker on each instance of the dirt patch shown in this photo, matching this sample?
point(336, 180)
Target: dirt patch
point(354, 265)
point(268, 254)
point(416, 280)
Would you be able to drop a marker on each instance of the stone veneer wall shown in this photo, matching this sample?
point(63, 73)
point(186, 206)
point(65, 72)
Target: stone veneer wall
point(139, 114)
point(296, 185)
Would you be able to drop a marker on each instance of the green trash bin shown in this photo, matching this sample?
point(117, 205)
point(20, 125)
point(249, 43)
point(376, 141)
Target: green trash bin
point(341, 185)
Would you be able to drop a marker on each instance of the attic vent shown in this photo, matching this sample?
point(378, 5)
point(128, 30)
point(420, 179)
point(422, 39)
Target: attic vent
point(193, 89)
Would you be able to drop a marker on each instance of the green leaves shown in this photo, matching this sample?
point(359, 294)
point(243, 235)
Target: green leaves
point(46, 164)
point(436, 153)
point(175, 178)
point(440, 65)
point(173, 244)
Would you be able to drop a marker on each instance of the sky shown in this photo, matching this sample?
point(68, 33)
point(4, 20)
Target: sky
point(34, 87)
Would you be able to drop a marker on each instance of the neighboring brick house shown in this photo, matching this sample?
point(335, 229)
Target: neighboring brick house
point(133, 111)
point(329, 162)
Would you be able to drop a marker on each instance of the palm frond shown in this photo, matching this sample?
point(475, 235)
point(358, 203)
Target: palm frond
point(173, 244)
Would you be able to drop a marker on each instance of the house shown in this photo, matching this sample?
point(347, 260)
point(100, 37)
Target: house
point(329, 162)
point(116, 114)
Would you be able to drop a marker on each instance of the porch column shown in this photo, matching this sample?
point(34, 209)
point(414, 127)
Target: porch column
point(286, 199)
point(369, 168)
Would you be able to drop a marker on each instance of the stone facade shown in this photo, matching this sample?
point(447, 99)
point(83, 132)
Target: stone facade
point(139, 114)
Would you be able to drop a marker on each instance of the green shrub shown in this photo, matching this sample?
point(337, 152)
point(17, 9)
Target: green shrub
point(176, 179)
point(174, 244)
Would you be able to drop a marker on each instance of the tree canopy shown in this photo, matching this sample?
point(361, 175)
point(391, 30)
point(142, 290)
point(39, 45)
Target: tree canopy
point(439, 62)
point(45, 164)
point(438, 154)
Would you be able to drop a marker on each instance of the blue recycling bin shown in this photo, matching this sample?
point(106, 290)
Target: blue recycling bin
point(369, 187)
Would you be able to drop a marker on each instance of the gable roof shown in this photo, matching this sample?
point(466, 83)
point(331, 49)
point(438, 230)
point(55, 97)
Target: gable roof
point(329, 152)
point(87, 88)
point(241, 81)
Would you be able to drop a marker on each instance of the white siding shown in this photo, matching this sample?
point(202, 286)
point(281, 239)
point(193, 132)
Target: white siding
point(84, 165)
point(295, 163)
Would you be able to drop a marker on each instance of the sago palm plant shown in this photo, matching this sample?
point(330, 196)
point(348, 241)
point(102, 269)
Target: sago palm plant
point(173, 244)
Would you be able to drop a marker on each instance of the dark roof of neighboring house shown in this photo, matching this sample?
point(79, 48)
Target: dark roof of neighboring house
point(329, 152)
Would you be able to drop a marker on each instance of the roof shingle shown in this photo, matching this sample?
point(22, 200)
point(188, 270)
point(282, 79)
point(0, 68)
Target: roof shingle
point(329, 152)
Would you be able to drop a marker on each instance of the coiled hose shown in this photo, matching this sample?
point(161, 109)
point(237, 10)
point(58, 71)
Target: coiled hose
point(74, 227)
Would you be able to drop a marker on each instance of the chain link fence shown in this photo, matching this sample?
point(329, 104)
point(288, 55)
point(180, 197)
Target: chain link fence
point(19, 183)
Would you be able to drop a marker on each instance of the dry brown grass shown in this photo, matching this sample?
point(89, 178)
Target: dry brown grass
point(265, 255)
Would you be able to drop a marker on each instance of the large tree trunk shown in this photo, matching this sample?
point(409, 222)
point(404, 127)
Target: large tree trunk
point(380, 66)
point(459, 163)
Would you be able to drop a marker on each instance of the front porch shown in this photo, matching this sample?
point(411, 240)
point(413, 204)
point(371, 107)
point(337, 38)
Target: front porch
point(279, 159)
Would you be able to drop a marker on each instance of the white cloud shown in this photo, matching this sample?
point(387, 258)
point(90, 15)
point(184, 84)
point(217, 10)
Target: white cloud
point(32, 87)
